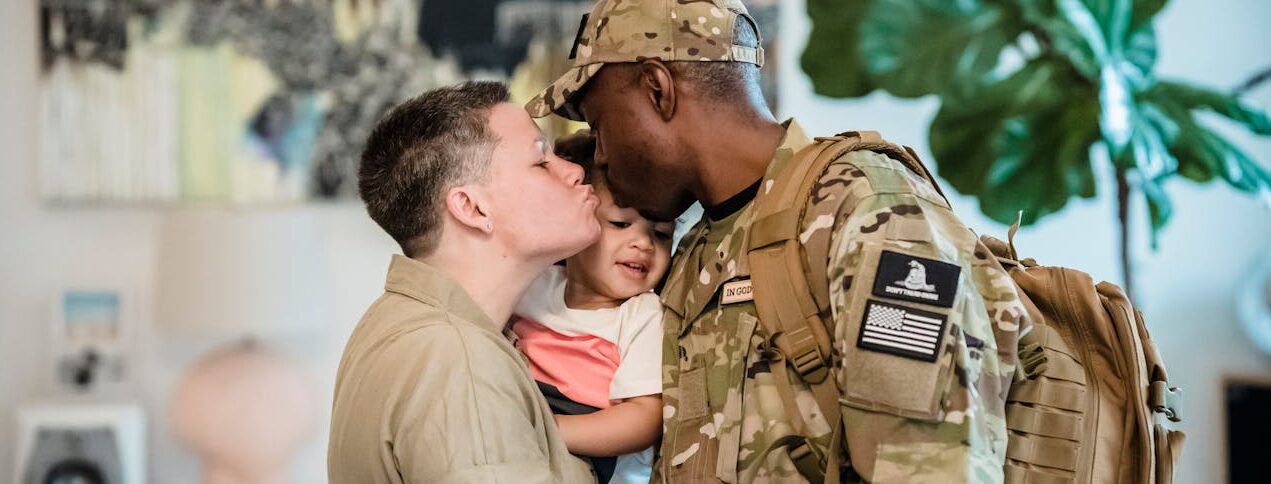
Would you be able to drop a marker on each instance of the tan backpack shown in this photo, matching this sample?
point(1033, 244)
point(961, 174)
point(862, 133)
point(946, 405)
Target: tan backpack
point(1090, 396)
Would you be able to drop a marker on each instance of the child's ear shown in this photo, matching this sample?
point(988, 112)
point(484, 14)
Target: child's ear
point(470, 206)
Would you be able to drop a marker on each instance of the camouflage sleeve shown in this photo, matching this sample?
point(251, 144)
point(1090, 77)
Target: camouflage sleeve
point(920, 315)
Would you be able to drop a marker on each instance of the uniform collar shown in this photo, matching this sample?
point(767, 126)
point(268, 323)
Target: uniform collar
point(795, 140)
point(430, 285)
point(792, 141)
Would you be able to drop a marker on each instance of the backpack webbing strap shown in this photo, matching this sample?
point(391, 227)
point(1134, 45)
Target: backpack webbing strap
point(1059, 454)
point(1036, 421)
point(1016, 474)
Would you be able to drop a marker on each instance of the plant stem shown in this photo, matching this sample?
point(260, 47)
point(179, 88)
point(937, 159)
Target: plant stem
point(1123, 215)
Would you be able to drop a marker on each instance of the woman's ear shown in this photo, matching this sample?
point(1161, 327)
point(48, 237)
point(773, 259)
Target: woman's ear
point(469, 206)
point(659, 86)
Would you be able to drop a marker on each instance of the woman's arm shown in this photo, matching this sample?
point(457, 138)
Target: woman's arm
point(628, 426)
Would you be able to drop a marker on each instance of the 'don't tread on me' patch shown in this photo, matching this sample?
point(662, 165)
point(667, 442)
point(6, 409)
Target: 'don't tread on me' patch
point(916, 279)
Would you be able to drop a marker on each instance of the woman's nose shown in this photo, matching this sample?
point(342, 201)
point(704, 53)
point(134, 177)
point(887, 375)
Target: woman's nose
point(569, 172)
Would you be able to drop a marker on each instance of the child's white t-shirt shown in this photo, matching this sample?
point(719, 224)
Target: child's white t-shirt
point(593, 356)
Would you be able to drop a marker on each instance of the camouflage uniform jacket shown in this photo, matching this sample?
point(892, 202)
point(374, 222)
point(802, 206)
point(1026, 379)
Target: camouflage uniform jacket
point(922, 385)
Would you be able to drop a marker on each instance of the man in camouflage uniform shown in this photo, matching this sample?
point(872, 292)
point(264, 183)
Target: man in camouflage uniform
point(925, 321)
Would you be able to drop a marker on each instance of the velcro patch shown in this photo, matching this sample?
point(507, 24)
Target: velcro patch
point(737, 291)
point(917, 279)
point(901, 331)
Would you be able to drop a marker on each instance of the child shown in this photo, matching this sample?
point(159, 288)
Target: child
point(592, 332)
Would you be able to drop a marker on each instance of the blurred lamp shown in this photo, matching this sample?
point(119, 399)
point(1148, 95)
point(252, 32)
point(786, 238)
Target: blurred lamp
point(243, 277)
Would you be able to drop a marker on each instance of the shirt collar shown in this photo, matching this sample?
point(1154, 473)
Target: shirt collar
point(795, 140)
point(430, 285)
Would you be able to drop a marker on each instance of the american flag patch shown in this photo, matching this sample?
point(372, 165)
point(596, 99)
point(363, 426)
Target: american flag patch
point(901, 331)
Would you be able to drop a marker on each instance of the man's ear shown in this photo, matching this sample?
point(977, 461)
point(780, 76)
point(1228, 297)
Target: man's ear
point(468, 205)
point(657, 82)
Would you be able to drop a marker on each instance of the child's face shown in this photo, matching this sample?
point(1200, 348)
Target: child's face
point(631, 256)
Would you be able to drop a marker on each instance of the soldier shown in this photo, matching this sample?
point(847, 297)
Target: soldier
point(922, 358)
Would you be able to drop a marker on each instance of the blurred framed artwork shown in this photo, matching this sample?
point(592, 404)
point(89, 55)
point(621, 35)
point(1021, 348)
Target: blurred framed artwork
point(91, 333)
point(268, 102)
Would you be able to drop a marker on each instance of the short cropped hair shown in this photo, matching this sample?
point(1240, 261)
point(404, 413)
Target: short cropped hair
point(424, 147)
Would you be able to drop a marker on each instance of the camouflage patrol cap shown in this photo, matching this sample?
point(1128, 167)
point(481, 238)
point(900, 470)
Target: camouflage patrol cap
point(634, 30)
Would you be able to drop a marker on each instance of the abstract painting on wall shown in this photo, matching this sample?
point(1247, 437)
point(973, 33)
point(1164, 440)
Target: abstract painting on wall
point(269, 101)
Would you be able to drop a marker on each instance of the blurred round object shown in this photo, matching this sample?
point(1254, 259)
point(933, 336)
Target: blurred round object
point(245, 411)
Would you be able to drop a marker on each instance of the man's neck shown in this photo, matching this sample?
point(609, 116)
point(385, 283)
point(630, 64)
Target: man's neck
point(493, 279)
point(728, 167)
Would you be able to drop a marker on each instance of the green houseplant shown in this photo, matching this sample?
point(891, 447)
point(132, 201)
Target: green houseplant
point(1031, 93)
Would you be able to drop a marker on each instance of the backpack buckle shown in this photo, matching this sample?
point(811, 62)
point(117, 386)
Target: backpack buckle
point(807, 460)
point(803, 353)
point(805, 357)
point(810, 365)
point(1165, 399)
point(1032, 360)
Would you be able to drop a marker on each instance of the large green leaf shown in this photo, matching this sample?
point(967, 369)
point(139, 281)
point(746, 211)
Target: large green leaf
point(1152, 132)
point(962, 135)
point(1198, 146)
point(1144, 11)
point(1024, 142)
point(1159, 206)
point(1110, 42)
point(1231, 106)
point(917, 47)
point(1058, 36)
point(1151, 161)
point(1203, 154)
point(832, 58)
point(1020, 144)
point(1140, 54)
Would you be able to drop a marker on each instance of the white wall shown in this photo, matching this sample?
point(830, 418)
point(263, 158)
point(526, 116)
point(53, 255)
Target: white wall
point(1186, 286)
point(43, 249)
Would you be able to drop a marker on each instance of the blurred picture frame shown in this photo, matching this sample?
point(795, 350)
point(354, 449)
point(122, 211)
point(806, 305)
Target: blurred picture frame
point(91, 334)
point(86, 316)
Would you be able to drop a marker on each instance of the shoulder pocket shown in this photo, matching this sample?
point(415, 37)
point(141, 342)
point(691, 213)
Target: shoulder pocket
point(895, 335)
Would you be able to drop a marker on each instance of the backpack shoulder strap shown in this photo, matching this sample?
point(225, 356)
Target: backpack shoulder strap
point(794, 308)
point(787, 309)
